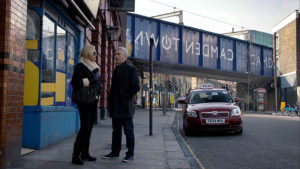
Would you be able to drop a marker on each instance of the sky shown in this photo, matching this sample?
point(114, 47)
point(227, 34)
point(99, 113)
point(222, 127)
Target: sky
point(220, 16)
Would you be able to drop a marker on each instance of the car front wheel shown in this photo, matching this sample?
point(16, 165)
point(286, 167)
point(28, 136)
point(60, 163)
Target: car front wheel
point(239, 132)
point(187, 132)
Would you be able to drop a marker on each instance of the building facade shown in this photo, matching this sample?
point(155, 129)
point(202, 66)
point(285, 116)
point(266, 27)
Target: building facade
point(253, 36)
point(287, 48)
point(41, 44)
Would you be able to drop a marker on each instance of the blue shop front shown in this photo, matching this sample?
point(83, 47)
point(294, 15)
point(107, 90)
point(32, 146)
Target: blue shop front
point(54, 36)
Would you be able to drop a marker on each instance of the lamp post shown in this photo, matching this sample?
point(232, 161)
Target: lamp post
point(248, 84)
point(113, 33)
point(151, 85)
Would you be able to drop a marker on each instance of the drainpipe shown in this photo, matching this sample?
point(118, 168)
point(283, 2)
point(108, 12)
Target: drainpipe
point(275, 71)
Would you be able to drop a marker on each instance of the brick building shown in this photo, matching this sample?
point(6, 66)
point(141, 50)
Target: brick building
point(40, 45)
point(287, 47)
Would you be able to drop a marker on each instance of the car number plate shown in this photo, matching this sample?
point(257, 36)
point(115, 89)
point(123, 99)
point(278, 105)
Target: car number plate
point(213, 121)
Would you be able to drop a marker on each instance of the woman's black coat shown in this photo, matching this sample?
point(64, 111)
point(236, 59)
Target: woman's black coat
point(81, 72)
point(125, 84)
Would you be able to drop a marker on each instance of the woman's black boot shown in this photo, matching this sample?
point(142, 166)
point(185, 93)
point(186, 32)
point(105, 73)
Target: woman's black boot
point(76, 159)
point(87, 156)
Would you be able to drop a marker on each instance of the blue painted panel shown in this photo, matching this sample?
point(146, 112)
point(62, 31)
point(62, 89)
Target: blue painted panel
point(234, 56)
point(31, 130)
point(144, 30)
point(241, 57)
point(169, 46)
point(130, 35)
point(56, 126)
point(41, 129)
point(268, 63)
point(191, 48)
point(226, 54)
point(255, 61)
point(262, 61)
point(210, 51)
point(180, 45)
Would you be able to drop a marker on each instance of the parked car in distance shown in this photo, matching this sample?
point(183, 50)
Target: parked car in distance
point(210, 109)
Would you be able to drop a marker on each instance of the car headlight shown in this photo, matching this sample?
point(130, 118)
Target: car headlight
point(192, 113)
point(236, 112)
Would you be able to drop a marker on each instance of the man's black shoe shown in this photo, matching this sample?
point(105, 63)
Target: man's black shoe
point(110, 155)
point(128, 158)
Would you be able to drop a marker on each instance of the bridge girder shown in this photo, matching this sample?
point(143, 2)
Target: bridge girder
point(175, 69)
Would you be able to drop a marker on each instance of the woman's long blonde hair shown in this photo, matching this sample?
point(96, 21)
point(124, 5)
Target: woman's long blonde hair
point(88, 51)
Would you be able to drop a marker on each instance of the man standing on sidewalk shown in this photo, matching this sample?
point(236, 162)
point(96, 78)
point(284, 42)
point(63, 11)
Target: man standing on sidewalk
point(125, 84)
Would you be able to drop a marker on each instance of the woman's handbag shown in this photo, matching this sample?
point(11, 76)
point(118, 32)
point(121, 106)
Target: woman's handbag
point(85, 94)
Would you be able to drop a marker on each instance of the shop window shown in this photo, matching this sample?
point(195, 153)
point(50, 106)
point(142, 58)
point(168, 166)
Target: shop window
point(33, 25)
point(61, 45)
point(51, 57)
point(48, 60)
point(70, 66)
point(48, 54)
point(33, 28)
point(32, 58)
point(60, 66)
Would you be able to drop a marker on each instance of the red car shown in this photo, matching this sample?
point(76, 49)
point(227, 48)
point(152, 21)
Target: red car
point(209, 109)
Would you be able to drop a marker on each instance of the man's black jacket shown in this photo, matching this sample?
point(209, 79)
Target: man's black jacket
point(125, 84)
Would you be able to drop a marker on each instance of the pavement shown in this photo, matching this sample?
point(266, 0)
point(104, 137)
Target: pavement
point(278, 113)
point(159, 151)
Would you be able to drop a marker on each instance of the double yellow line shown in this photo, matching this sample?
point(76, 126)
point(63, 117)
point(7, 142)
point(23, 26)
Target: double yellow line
point(191, 151)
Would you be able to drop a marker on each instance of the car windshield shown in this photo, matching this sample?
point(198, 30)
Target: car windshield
point(210, 96)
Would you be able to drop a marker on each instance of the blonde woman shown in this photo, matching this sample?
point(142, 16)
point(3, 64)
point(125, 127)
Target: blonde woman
point(86, 89)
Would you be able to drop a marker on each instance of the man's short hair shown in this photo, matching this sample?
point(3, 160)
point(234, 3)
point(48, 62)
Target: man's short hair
point(124, 50)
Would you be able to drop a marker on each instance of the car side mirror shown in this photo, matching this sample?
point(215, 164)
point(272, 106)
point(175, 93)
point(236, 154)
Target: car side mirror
point(181, 100)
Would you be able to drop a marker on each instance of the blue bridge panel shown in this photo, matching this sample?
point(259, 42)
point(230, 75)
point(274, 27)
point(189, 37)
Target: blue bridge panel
point(144, 30)
point(241, 57)
point(226, 55)
point(255, 61)
point(182, 45)
point(210, 51)
point(169, 35)
point(268, 62)
point(130, 35)
point(191, 47)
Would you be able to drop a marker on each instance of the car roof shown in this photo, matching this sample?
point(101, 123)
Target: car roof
point(208, 89)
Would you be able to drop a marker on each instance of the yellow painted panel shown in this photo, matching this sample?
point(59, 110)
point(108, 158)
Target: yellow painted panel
point(31, 86)
point(129, 47)
point(32, 44)
point(282, 105)
point(47, 101)
point(61, 55)
point(171, 98)
point(71, 61)
point(48, 87)
point(60, 87)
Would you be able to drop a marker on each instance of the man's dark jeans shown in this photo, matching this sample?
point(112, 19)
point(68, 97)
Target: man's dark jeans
point(117, 125)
